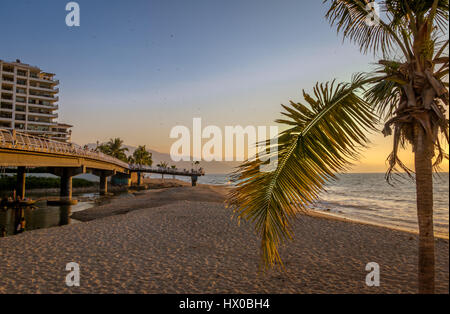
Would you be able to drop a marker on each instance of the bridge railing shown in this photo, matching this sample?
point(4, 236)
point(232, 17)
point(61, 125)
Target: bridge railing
point(175, 171)
point(22, 141)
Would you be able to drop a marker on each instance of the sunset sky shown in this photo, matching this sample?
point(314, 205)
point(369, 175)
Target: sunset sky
point(135, 69)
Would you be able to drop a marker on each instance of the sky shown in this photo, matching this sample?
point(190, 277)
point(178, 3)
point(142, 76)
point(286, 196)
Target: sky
point(136, 69)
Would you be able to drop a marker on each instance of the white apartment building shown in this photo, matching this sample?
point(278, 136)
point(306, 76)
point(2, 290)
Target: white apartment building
point(28, 101)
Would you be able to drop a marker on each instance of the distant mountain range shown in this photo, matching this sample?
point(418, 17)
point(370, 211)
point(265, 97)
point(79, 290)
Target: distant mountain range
point(214, 167)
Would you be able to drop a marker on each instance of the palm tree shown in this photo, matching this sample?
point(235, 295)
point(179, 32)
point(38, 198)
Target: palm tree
point(173, 168)
point(163, 165)
point(141, 156)
point(114, 147)
point(327, 132)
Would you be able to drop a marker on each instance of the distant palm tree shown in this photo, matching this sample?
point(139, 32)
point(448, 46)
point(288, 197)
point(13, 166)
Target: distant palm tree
point(173, 168)
point(409, 90)
point(163, 165)
point(141, 156)
point(114, 147)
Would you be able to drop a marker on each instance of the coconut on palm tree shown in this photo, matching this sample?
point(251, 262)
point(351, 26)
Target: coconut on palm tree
point(409, 91)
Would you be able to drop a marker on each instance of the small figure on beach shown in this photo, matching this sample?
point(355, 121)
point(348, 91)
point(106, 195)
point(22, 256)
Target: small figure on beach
point(21, 225)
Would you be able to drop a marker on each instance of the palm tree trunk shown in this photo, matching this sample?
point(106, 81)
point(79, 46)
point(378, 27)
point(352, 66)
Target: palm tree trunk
point(424, 191)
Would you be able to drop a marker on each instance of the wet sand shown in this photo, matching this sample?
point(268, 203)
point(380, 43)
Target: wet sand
point(182, 240)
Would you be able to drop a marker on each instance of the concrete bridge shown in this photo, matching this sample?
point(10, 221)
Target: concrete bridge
point(67, 160)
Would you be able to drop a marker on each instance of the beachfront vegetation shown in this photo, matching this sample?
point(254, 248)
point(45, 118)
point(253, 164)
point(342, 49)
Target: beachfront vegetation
point(141, 156)
point(408, 91)
point(163, 165)
point(8, 183)
point(173, 167)
point(114, 147)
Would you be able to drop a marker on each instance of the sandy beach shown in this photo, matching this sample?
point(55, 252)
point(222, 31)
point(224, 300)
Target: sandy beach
point(183, 240)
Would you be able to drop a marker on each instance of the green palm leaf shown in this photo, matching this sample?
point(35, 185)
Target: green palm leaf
point(350, 18)
point(326, 136)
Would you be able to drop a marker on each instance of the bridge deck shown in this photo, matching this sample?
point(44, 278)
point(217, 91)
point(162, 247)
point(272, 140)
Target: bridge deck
point(20, 149)
point(66, 160)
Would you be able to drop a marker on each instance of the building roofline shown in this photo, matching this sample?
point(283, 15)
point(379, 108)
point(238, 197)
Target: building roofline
point(25, 65)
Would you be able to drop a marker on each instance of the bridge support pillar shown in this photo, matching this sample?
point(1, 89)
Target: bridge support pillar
point(103, 185)
point(194, 180)
point(103, 174)
point(20, 185)
point(66, 175)
point(66, 185)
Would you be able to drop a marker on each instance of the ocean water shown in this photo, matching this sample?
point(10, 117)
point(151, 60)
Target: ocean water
point(369, 198)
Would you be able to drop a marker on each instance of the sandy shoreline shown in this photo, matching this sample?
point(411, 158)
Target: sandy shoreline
point(182, 240)
point(169, 192)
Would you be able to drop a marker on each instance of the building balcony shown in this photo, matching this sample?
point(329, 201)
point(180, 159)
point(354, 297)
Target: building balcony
point(60, 138)
point(43, 80)
point(6, 107)
point(44, 97)
point(41, 122)
point(21, 101)
point(9, 84)
point(7, 78)
point(49, 106)
point(59, 135)
point(43, 114)
point(44, 89)
point(36, 132)
point(5, 117)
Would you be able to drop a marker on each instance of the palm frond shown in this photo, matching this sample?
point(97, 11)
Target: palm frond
point(350, 18)
point(385, 95)
point(402, 10)
point(327, 134)
point(394, 30)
